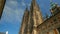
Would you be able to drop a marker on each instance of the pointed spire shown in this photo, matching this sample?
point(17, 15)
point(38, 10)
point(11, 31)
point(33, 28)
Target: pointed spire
point(35, 16)
point(24, 22)
point(34, 5)
point(36, 10)
point(34, 2)
point(26, 9)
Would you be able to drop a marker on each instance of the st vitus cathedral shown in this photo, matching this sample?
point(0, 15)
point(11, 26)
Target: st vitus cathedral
point(33, 22)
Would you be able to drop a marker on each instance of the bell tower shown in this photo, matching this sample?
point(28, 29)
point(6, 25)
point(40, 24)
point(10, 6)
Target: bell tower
point(35, 16)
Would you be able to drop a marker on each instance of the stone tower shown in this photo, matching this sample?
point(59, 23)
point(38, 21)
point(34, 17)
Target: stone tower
point(2, 3)
point(33, 22)
point(35, 16)
point(24, 24)
point(31, 19)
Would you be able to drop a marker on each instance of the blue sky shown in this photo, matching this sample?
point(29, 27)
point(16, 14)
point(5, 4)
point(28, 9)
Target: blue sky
point(14, 10)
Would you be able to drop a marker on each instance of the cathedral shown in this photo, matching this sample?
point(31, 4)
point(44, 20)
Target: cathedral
point(33, 22)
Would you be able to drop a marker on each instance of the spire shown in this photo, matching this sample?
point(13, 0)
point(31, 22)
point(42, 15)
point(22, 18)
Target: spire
point(34, 2)
point(26, 9)
point(35, 16)
point(34, 5)
point(36, 12)
point(24, 21)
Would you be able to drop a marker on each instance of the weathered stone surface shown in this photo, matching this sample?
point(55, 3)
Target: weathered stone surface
point(50, 23)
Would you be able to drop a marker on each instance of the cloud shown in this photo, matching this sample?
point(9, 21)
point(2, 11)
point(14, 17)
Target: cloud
point(23, 3)
point(12, 3)
point(12, 15)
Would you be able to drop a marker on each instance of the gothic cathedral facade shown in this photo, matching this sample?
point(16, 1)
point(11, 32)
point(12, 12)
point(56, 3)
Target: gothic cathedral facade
point(33, 22)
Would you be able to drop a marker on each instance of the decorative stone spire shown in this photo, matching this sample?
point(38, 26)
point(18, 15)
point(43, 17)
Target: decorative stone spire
point(34, 5)
point(24, 22)
point(34, 2)
point(2, 3)
point(36, 13)
point(35, 16)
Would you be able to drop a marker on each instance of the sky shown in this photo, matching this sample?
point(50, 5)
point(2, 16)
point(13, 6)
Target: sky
point(13, 13)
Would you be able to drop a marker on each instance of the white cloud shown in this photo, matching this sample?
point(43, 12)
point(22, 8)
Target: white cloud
point(23, 3)
point(12, 3)
point(11, 15)
point(29, 4)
